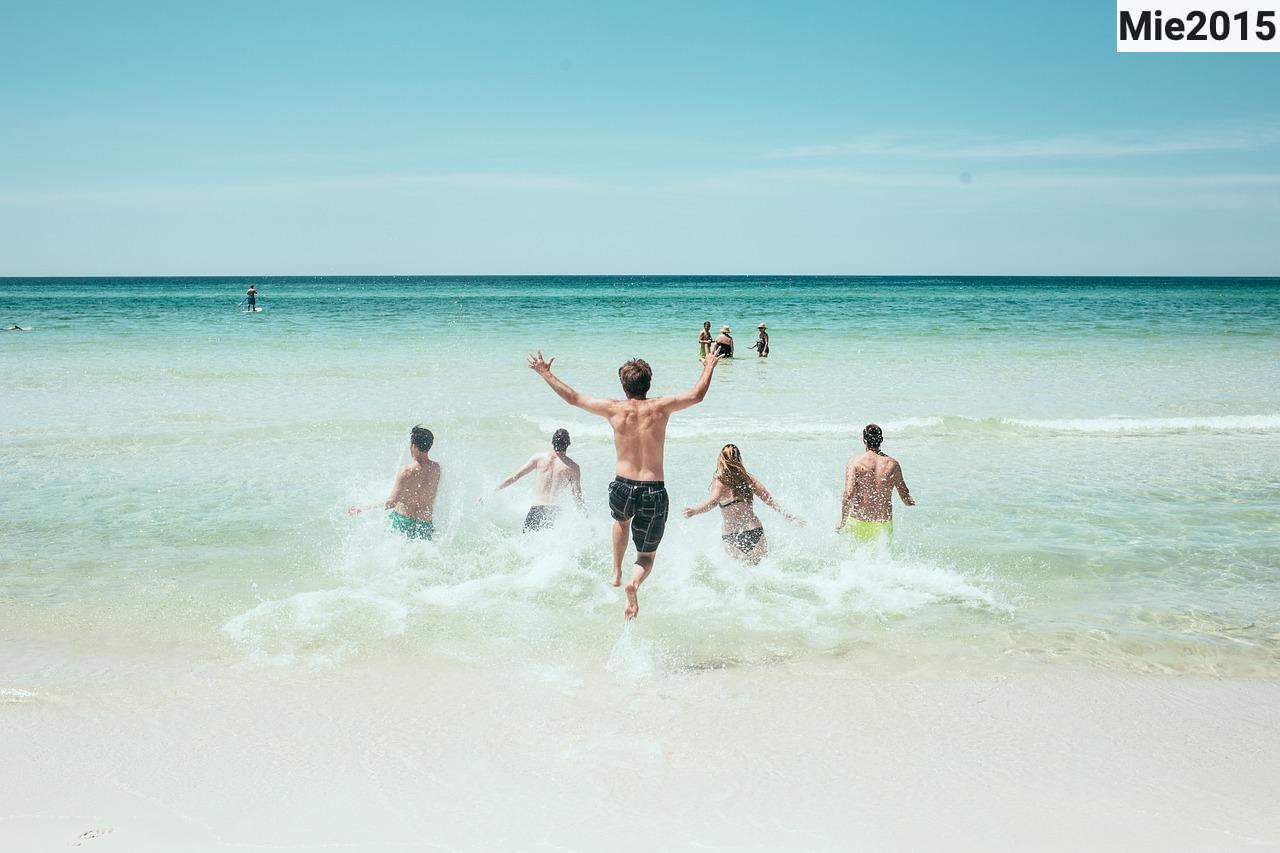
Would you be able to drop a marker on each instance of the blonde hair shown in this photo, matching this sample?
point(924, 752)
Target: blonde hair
point(731, 472)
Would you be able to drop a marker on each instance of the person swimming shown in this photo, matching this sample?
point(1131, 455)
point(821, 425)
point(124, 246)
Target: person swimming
point(555, 472)
point(724, 343)
point(734, 491)
point(413, 497)
point(866, 510)
point(705, 340)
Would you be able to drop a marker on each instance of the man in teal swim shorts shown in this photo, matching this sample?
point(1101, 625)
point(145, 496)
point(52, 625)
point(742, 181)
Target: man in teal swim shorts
point(413, 497)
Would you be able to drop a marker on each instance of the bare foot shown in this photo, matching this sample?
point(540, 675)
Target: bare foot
point(633, 603)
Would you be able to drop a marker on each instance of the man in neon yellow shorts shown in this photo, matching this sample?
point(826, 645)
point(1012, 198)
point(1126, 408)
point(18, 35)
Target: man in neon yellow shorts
point(866, 510)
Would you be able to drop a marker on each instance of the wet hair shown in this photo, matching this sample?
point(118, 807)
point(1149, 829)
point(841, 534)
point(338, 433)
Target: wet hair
point(635, 376)
point(421, 438)
point(731, 472)
point(706, 324)
point(872, 436)
point(560, 439)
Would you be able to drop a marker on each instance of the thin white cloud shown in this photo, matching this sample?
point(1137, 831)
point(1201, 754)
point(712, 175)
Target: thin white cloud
point(267, 190)
point(996, 148)
point(786, 179)
point(781, 180)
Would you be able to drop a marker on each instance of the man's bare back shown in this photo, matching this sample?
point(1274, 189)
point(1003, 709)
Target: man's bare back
point(552, 474)
point(414, 492)
point(413, 495)
point(869, 482)
point(640, 436)
point(874, 476)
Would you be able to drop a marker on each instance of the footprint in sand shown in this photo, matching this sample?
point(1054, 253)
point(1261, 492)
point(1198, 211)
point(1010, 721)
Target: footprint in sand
point(93, 833)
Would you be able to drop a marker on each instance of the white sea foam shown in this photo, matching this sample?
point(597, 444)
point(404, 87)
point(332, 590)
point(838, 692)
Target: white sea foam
point(793, 426)
point(1222, 423)
point(487, 592)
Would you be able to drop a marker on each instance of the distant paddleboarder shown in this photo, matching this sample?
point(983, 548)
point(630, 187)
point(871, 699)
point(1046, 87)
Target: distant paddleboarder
point(251, 296)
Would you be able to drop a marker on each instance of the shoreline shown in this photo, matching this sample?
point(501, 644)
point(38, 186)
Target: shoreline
point(805, 754)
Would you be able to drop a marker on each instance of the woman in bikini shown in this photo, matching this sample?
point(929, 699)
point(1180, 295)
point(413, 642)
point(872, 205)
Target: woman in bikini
point(735, 491)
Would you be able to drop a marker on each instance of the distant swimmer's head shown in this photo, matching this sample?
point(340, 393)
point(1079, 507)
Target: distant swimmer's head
point(560, 440)
point(421, 438)
point(872, 436)
point(636, 376)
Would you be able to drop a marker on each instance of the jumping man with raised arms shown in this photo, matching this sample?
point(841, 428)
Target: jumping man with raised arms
point(637, 496)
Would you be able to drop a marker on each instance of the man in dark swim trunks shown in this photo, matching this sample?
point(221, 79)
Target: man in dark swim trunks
point(554, 472)
point(252, 295)
point(637, 496)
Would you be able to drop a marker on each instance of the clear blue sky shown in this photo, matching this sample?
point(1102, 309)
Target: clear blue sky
point(798, 137)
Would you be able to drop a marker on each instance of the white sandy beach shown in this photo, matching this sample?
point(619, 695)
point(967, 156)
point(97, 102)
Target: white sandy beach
point(812, 756)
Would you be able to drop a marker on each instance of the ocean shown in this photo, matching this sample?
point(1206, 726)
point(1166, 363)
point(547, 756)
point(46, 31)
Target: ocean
point(1096, 465)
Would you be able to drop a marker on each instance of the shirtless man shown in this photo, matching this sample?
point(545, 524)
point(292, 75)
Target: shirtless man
point(413, 497)
point(637, 497)
point(866, 510)
point(252, 296)
point(555, 470)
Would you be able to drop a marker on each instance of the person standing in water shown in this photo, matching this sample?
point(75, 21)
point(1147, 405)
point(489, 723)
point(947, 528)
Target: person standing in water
point(638, 498)
point(866, 511)
point(762, 343)
point(555, 471)
point(705, 340)
point(252, 295)
point(413, 497)
point(734, 491)
point(724, 343)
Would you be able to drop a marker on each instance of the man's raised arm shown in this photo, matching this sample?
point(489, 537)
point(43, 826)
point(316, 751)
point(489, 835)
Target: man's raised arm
point(694, 395)
point(542, 367)
point(901, 485)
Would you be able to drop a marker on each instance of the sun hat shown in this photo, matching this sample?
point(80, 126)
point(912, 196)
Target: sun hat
point(762, 326)
point(724, 330)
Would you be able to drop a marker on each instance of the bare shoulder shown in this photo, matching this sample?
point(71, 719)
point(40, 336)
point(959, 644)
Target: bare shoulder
point(572, 466)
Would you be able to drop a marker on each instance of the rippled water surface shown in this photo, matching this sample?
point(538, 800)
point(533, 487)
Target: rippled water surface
point(1096, 464)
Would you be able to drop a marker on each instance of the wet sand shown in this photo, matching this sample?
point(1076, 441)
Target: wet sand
point(809, 755)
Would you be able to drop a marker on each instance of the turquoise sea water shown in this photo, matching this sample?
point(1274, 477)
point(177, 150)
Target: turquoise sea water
point(1096, 464)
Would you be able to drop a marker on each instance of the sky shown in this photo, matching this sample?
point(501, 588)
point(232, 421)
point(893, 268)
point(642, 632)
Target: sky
point(277, 138)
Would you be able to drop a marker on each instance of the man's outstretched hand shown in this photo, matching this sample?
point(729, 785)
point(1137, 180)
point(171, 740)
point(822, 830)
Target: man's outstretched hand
point(538, 364)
